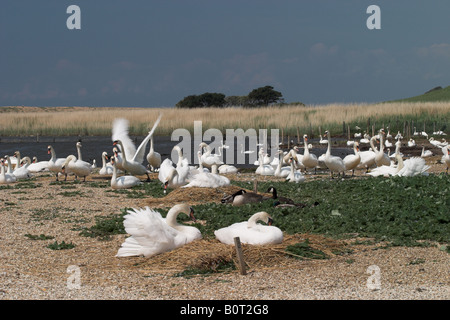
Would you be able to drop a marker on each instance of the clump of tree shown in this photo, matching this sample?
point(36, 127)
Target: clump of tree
point(205, 100)
point(262, 96)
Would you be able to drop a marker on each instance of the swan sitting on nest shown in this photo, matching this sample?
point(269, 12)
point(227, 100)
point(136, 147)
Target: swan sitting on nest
point(151, 234)
point(251, 232)
point(122, 182)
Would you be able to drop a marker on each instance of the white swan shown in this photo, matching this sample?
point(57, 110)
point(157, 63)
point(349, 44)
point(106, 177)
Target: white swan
point(122, 182)
point(208, 159)
point(79, 168)
point(6, 178)
point(381, 158)
point(251, 232)
point(446, 157)
point(365, 139)
point(9, 169)
point(411, 143)
point(38, 166)
point(207, 179)
point(294, 175)
point(21, 171)
point(351, 161)
point(55, 164)
point(173, 177)
point(263, 168)
point(398, 136)
point(334, 163)
point(309, 160)
point(227, 168)
point(426, 153)
point(151, 234)
point(153, 157)
point(132, 162)
point(107, 167)
point(412, 167)
point(408, 168)
point(323, 141)
point(281, 171)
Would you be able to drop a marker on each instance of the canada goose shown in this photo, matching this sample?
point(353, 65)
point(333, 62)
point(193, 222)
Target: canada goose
point(242, 197)
point(275, 196)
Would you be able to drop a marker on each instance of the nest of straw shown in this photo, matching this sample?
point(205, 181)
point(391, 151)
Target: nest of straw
point(210, 253)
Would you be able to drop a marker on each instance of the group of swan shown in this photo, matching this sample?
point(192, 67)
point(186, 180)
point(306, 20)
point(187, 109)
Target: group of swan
point(132, 158)
point(151, 234)
point(183, 175)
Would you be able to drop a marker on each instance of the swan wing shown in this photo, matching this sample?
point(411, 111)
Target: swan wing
point(120, 132)
point(140, 152)
point(149, 232)
point(412, 167)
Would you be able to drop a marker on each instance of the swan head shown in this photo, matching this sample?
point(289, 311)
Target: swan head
point(49, 149)
point(260, 216)
point(183, 207)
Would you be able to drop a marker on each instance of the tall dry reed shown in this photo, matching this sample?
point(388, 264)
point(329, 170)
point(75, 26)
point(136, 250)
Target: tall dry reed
point(22, 121)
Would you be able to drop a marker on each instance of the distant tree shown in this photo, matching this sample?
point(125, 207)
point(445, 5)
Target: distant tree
point(212, 99)
point(264, 96)
point(191, 101)
point(236, 101)
point(204, 100)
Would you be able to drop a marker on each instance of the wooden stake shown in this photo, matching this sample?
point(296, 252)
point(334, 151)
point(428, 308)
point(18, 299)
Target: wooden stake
point(240, 256)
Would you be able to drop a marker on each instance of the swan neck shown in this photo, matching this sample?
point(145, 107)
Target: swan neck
point(172, 215)
point(79, 152)
point(253, 219)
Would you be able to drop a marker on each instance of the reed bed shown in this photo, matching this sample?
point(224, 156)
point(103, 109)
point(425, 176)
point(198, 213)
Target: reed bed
point(291, 120)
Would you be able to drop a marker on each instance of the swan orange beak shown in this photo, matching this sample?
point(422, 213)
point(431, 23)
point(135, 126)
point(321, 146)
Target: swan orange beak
point(270, 221)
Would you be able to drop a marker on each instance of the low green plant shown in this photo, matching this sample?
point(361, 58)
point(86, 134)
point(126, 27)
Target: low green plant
point(61, 246)
point(38, 237)
point(304, 250)
point(106, 226)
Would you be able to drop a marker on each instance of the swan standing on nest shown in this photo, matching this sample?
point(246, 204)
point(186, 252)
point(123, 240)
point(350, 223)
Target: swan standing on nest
point(251, 232)
point(132, 162)
point(151, 234)
point(334, 163)
point(123, 182)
